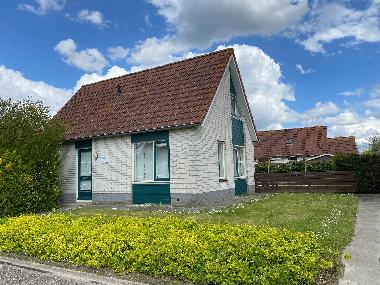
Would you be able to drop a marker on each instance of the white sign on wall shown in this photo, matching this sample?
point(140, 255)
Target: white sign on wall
point(103, 159)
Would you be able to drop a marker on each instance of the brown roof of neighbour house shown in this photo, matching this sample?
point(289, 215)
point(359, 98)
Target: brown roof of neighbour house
point(172, 95)
point(308, 141)
point(342, 145)
point(288, 142)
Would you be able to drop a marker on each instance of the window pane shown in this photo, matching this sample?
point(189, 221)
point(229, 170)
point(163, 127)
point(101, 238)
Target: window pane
point(241, 162)
point(85, 163)
point(162, 160)
point(85, 185)
point(221, 159)
point(236, 174)
point(144, 161)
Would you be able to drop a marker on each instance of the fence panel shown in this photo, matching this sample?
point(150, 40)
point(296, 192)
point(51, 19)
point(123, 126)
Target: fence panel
point(332, 181)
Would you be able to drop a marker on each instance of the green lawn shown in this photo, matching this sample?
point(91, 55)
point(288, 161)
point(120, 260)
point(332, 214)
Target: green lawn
point(330, 216)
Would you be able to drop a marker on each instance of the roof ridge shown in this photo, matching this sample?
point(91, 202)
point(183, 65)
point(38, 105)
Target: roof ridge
point(160, 66)
point(300, 128)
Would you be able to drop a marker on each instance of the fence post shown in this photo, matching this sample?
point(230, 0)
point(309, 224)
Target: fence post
point(268, 164)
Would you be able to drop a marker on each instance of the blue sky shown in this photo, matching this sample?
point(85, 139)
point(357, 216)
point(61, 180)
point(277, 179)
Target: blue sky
point(303, 62)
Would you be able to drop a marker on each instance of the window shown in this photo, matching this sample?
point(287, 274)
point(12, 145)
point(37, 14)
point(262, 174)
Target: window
point(234, 107)
point(151, 161)
point(221, 159)
point(239, 161)
point(289, 141)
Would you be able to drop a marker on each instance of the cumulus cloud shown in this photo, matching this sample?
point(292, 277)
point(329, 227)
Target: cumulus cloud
point(267, 93)
point(198, 24)
point(114, 71)
point(88, 59)
point(353, 93)
point(336, 21)
point(93, 17)
point(373, 103)
point(14, 85)
point(42, 7)
point(375, 91)
point(303, 70)
point(117, 53)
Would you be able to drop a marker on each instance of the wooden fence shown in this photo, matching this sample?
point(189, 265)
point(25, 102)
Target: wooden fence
point(332, 181)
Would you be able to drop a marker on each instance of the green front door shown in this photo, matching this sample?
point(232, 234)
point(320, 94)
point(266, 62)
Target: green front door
point(84, 175)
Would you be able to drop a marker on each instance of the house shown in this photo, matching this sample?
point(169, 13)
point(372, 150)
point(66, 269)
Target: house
point(296, 144)
point(180, 134)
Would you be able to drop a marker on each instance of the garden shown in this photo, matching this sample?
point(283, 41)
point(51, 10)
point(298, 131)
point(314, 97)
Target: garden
point(277, 239)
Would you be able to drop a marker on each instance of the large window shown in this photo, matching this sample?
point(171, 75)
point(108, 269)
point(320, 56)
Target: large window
point(151, 161)
point(221, 159)
point(239, 161)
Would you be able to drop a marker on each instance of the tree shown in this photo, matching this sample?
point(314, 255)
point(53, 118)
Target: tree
point(29, 158)
point(373, 144)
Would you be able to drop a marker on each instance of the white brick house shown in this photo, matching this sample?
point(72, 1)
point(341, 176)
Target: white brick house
point(181, 133)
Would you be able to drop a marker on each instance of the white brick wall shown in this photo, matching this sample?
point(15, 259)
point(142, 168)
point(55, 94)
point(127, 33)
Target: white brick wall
point(194, 152)
point(116, 175)
point(69, 169)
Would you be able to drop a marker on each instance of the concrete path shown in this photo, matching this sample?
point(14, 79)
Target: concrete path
point(19, 272)
point(364, 266)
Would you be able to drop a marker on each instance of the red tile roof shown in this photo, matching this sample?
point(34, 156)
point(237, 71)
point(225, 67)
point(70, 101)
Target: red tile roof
point(308, 141)
point(288, 142)
point(172, 95)
point(342, 145)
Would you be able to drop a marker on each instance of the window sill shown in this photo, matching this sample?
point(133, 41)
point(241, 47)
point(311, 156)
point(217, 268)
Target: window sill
point(240, 177)
point(151, 182)
point(222, 179)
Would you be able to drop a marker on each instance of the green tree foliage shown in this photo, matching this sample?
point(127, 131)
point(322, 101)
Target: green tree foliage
point(29, 156)
point(373, 144)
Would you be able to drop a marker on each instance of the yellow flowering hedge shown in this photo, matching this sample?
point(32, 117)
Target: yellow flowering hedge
point(185, 249)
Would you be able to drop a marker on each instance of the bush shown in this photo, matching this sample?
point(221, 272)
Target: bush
point(315, 166)
point(185, 249)
point(30, 141)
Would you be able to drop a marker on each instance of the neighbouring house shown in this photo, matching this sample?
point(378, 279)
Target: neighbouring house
point(181, 133)
point(296, 144)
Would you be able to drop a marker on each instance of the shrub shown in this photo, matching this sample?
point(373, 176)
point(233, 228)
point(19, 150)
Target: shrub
point(31, 139)
point(185, 249)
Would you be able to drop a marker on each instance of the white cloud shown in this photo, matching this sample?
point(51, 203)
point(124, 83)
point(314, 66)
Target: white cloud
point(203, 22)
point(373, 103)
point(117, 53)
point(147, 21)
point(93, 17)
point(303, 70)
point(43, 6)
point(375, 91)
point(335, 21)
point(198, 24)
point(114, 71)
point(266, 91)
point(88, 60)
point(362, 129)
point(353, 93)
point(14, 85)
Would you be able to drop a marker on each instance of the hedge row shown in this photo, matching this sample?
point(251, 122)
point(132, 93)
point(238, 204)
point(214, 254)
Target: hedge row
point(366, 167)
point(185, 249)
point(29, 158)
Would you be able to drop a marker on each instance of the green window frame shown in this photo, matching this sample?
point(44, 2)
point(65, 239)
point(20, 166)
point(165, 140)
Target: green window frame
point(222, 160)
point(159, 162)
point(239, 161)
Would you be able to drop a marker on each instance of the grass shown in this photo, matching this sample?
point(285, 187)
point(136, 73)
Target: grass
point(330, 216)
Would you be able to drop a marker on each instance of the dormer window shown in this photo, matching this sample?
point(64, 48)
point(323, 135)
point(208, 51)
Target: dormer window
point(288, 141)
point(118, 90)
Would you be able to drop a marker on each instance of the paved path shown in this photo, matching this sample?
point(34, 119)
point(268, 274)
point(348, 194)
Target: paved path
point(364, 266)
point(20, 272)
